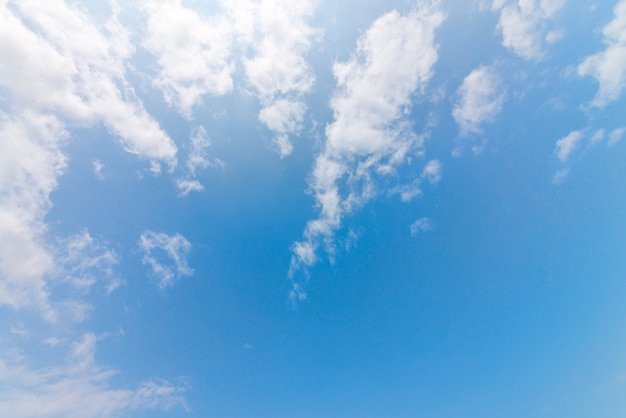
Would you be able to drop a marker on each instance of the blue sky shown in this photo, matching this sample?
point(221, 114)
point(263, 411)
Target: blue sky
point(312, 209)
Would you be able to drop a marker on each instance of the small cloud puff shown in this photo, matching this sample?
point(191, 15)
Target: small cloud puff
point(480, 100)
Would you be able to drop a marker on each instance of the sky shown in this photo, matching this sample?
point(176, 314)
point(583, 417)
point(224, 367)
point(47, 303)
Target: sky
point(270, 208)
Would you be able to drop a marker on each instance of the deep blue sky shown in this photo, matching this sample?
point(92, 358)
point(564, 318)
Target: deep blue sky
point(312, 209)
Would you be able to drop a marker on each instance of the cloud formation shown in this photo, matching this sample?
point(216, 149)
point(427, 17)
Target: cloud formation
point(193, 53)
point(277, 71)
point(370, 134)
point(525, 26)
point(58, 69)
point(175, 247)
point(608, 67)
point(566, 145)
point(78, 387)
point(480, 100)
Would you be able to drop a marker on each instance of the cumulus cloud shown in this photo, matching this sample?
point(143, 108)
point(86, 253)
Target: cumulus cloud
point(78, 387)
point(608, 67)
point(370, 133)
point(62, 63)
point(480, 100)
point(277, 71)
point(421, 225)
point(175, 248)
point(57, 69)
point(193, 53)
point(524, 26)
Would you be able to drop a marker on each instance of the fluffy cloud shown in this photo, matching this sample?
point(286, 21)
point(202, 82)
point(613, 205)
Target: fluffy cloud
point(78, 387)
point(480, 100)
point(608, 67)
point(524, 26)
point(193, 52)
point(30, 163)
point(57, 69)
point(278, 71)
point(370, 134)
point(61, 63)
point(283, 117)
point(175, 247)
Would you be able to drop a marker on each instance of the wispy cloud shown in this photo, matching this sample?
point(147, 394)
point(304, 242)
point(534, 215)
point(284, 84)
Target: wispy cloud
point(480, 100)
point(608, 67)
point(78, 387)
point(370, 134)
point(198, 159)
point(173, 266)
point(525, 28)
point(576, 142)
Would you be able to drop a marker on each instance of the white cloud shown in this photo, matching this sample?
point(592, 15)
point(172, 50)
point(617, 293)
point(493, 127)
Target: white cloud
point(82, 262)
point(616, 135)
point(421, 225)
point(67, 66)
point(609, 66)
point(78, 387)
point(566, 145)
point(57, 69)
point(283, 117)
point(278, 71)
point(597, 136)
point(480, 100)
point(560, 175)
point(187, 186)
point(370, 133)
point(174, 247)
point(197, 159)
point(432, 171)
point(524, 26)
point(193, 52)
point(97, 169)
point(30, 162)
point(198, 155)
